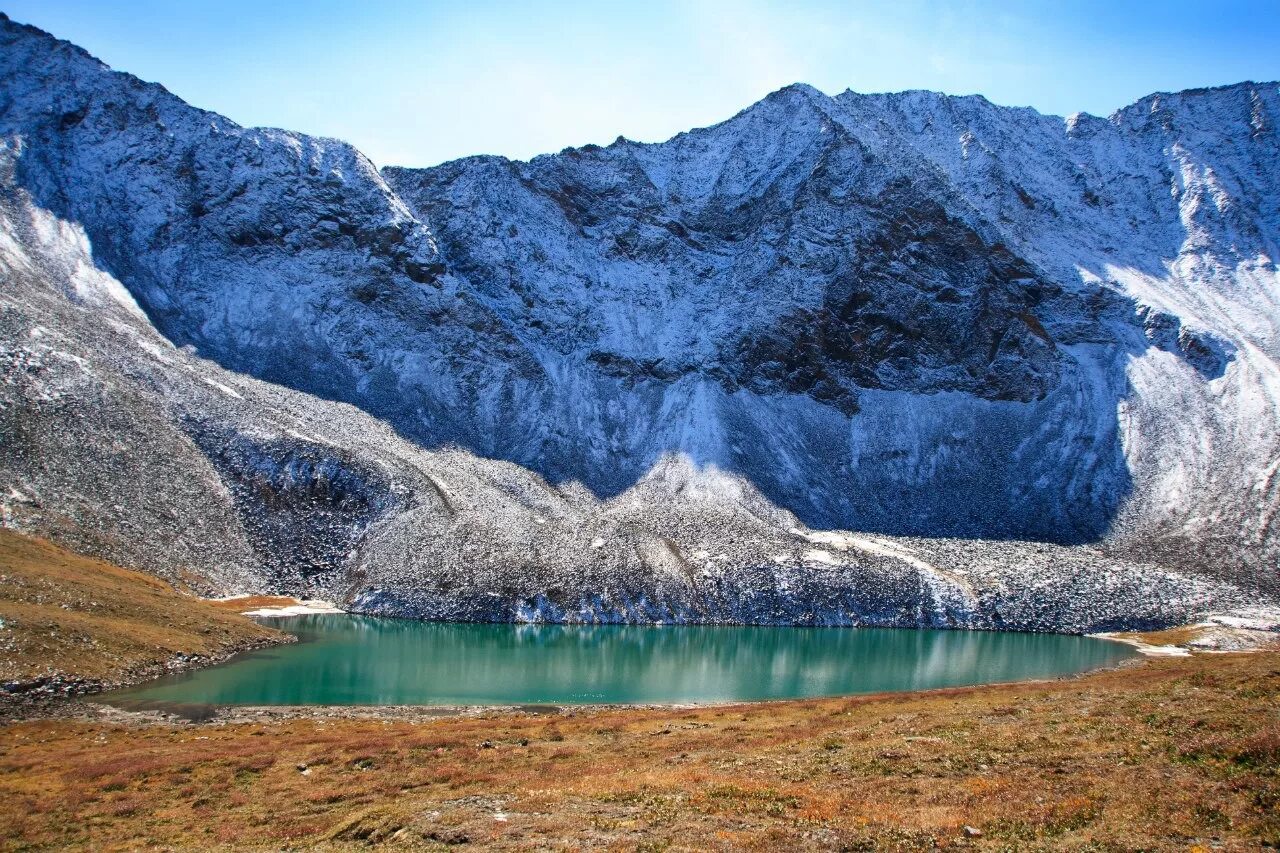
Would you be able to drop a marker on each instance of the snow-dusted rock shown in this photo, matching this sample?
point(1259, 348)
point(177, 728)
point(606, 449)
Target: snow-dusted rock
point(647, 382)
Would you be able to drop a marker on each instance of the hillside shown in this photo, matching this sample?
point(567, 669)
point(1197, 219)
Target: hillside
point(70, 623)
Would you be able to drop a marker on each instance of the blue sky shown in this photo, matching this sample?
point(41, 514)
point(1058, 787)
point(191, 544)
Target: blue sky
point(417, 83)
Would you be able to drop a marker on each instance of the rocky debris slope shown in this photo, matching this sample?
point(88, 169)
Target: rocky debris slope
point(637, 382)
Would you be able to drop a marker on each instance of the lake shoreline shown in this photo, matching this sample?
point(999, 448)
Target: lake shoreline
point(87, 701)
point(130, 712)
point(349, 659)
point(88, 705)
point(62, 692)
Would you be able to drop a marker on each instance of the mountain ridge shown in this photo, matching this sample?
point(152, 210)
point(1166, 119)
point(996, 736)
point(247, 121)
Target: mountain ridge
point(963, 320)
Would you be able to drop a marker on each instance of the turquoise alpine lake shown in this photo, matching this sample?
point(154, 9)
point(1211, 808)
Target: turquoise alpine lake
point(344, 659)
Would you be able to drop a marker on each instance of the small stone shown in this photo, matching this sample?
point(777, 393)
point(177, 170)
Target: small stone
point(972, 832)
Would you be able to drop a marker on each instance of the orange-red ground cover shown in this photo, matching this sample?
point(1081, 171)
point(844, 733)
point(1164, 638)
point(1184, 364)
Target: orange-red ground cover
point(88, 620)
point(1170, 754)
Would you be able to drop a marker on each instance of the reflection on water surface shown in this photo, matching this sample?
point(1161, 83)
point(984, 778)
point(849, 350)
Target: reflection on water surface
point(363, 660)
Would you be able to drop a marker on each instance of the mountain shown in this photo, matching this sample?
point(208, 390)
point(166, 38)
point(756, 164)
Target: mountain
point(1034, 362)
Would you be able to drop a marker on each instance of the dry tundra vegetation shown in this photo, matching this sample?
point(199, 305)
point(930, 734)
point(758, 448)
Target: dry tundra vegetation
point(83, 621)
point(1170, 754)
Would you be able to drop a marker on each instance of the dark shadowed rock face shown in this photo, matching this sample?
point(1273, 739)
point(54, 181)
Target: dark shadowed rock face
point(923, 305)
point(303, 507)
point(907, 315)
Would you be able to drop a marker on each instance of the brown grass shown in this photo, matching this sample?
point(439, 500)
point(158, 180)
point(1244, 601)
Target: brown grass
point(1179, 636)
point(1168, 755)
point(86, 619)
point(251, 602)
point(1187, 636)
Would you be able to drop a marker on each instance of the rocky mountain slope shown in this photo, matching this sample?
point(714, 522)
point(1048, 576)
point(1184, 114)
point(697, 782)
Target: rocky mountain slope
point(639, 382)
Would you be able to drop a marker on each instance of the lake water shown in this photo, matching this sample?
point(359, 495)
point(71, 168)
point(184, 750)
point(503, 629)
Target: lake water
point(362, 660)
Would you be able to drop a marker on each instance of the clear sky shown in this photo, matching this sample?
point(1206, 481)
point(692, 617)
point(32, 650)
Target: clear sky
point(417, 83)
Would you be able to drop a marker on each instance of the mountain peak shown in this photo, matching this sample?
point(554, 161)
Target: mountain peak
point(908, 314)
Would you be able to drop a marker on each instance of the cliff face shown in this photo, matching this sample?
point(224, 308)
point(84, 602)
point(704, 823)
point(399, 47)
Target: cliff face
point(991, 309)
point(908, 315)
